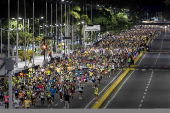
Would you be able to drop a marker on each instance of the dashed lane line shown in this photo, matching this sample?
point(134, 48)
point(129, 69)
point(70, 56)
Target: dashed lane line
point(118, 90)
point(157, 59)
point(145, 90)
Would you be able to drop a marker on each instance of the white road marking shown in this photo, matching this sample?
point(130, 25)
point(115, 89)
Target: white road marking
point(103, 89)
point(143, 69)
point(118, 89)
point(55, 104)
point(141, 100)
point(145, 93)
point(157, 59)
point(140, 105)
point(145, 89)
point(142, 59)
point(143, 97)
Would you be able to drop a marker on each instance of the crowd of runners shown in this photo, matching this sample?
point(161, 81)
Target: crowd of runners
point(63, 77)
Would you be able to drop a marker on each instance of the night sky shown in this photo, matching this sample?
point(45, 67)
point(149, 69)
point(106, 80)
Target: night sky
point(151, 6)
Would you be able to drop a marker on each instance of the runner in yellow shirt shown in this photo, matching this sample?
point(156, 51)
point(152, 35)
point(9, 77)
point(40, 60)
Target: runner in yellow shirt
point(69, 68)
point(27, 103)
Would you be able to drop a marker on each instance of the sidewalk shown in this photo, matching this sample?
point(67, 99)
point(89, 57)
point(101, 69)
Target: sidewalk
point(38, 60)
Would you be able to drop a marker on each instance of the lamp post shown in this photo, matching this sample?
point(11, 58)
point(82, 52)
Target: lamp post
point(61, 31)
point(91, 19)
point(33, 34)
point(1, 34)
point(51, 25)
point(17, 34)
point(39, 27)
point(56, 30)
point(8, 28)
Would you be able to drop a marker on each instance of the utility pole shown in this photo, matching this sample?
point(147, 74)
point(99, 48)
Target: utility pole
point(61, 34)
point(25, 30)
point(33, 32)
point(56, 30)
point(17, 34)
point(8, 28)
point(51, 26)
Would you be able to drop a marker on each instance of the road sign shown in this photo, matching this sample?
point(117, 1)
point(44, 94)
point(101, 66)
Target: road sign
point(66, 38)
point(48, 37)
point(92, 28)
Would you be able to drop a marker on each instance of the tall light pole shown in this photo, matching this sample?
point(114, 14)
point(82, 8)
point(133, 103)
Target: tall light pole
point(17, 34)
point(46, 18)
point(65, 30)
point(61, 31)
point(1, 34)
point(33, 34)
point(56, 30)
point(9, 76)
point(91, 19)
point(8, 28)
point(25, 30)
point(51, 25)
point(39, 27)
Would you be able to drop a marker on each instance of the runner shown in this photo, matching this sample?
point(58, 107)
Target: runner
point(80, 91)
point(66, 99)
point(33, 98)
point(53, 92)
point(1, 95)
point(16, 102)
point(42, 97)
point(48, 98)
point(21, 97)
point(27, 103)
point(96, 93)
point(7, 100)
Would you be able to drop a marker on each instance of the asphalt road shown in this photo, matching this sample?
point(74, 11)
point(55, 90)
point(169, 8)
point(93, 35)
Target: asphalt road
point(146, 87)
point(159, 55)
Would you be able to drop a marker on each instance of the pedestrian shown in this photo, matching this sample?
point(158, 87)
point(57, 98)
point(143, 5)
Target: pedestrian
point(48, 98)
point(53, 92)
point(129, 61)
point(7, 101)
point(66, 99)
point(133, 59)
point(17, 102)
point(80, 91)
point(1, 95)
point(27, 103)
point(96, 93)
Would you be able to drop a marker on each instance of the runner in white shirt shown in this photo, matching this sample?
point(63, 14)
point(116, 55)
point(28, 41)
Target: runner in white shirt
point(42, 98)
point(113, 67)
point(16, 102)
